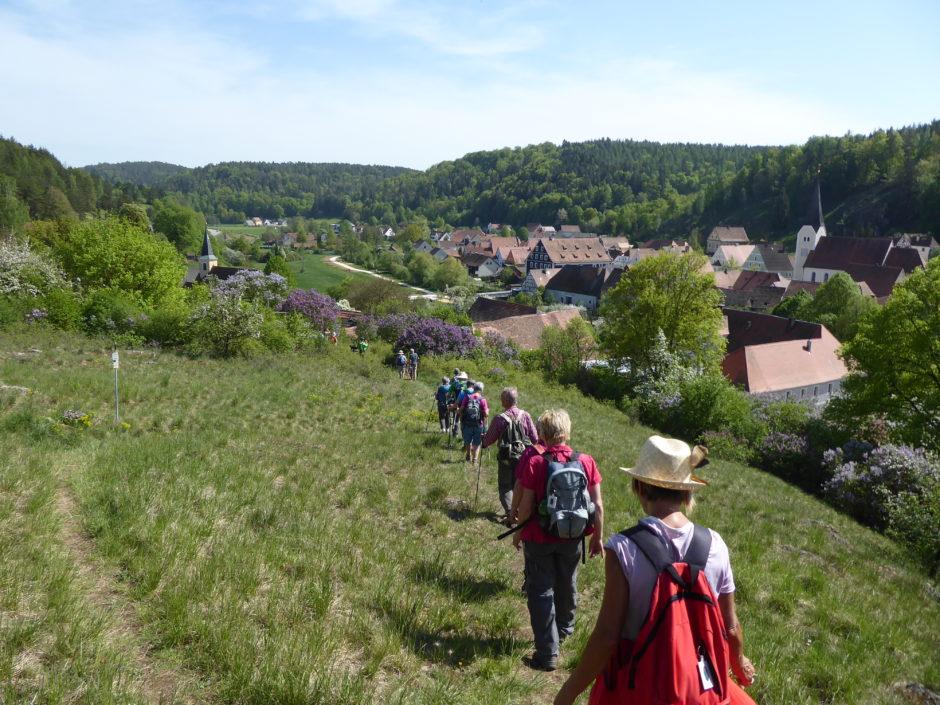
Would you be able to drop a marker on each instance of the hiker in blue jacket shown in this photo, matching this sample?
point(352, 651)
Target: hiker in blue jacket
point(443, 412)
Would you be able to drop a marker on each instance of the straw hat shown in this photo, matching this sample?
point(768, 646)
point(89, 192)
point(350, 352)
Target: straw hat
point(400, 352)
point(462, 375)
point(668, 462)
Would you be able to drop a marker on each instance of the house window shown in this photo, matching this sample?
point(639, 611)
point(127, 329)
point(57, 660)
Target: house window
point(827, 277)
point(815, 391)
point(788, 396)
point(830, 388)
point(802, 393)
point(814, 277)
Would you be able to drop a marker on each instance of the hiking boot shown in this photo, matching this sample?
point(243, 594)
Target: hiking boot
point(537, 664)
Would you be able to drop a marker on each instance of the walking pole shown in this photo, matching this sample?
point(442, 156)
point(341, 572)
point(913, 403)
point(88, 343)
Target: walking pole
point(479, 468)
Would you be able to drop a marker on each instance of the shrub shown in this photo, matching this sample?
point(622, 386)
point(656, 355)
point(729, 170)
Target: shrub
point(320, 310)
point(726, 446)
point(23, 272)
point(784, 454)
point(227, 326)
point(496, 347)
point(913, 521)
point(432, 336)
point(865, 481)
point(110, 311)
point(276, 335)
point(167, 326)
point(64, 308)
point(254, 285)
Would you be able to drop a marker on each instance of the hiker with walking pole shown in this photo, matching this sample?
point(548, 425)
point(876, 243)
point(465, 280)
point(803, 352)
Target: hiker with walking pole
point(513, 431)
point(400, 363)
point(662, 579)
point(473, 412)
point(440, 397)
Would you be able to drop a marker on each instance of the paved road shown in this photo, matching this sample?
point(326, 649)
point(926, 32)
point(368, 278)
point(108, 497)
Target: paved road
point(425, 293)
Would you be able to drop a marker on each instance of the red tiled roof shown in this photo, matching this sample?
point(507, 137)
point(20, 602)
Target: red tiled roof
point(790, 364)
point(907, 258)
point(750, 280)
point(526, 331)
point(838, 252)
point(725, 233)
point(880, 280)
point(580, 251)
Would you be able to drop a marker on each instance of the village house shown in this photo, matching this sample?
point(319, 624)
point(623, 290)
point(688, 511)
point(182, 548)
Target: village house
point(554, 253)
point(725, 235)
point(537, 278)
point(526, 331)
point(751, 290)
point(781, 359)
point(876, 261)
point(480, 265)
point(732, 256)
point(582, 286)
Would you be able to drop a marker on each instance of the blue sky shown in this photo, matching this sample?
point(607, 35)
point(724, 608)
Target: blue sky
point(413, 83)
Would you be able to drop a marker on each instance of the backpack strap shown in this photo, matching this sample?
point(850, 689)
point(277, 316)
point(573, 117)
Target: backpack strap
point(654, 547)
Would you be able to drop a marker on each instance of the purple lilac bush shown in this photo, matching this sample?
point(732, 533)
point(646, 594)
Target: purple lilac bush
point(320, 310)
point(254, 285)
point(496, 347)
point(784, 454)
point(432, 336)
point(866, 482)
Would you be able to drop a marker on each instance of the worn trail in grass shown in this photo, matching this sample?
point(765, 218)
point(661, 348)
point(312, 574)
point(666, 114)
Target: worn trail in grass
point(285, 531)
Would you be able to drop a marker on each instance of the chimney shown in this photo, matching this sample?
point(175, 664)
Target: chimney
point(809, 346)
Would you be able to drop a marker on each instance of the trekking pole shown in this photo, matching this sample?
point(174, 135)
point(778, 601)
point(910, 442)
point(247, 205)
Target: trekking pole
point(479, 469)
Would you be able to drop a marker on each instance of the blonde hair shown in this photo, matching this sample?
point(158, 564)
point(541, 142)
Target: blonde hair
point(555, 426)
point(654, 493)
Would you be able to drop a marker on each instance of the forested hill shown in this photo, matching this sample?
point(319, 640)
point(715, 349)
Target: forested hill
point(142, 173)
point(35, 185)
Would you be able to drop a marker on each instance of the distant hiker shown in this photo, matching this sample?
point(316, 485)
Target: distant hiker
point(473, 412)
point(362, 345)
point(400, 362)
point(551, 560)
point(443, 413)
point(677, 661)
point(456, 387)
point(513, 431)
point(333, 337)
point(413, 364)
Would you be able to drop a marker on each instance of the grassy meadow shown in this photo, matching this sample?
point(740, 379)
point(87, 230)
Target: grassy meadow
point(319, 274)
point(285, 530)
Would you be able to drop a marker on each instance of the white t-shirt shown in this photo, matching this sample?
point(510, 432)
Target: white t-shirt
point(642, 577)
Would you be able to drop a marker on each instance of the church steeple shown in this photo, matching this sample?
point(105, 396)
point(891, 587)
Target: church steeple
point(207, 258)
point(813, 230)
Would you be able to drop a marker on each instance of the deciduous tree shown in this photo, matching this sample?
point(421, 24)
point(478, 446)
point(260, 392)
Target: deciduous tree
point(668, 293)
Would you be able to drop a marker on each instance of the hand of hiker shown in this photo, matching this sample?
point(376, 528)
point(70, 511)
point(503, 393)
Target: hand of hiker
point(517, 540)
point(744, 671)
point(596, 547)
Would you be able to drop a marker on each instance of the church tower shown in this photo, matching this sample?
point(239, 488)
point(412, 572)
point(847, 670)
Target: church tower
point(813, 230)
point(207, 258)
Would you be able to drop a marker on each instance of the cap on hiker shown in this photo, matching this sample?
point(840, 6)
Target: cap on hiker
point(400, 352)
point(669, 462)
point(462, 376)
point(478, 386)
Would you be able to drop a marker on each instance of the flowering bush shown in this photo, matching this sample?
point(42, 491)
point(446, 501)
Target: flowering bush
point(864, 482)
point(432, 336)
point(496, 347)
point(227, 326)
point(784, 454)
point(25, 272)
point(254, 285)
point(320, 310)
point(36, 315)
point(389, 328)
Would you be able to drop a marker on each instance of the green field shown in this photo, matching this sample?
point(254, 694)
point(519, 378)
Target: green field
point(284, 530)
point(319, 274)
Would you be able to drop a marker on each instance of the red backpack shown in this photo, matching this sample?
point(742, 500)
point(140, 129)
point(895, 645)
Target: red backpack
point(680, 656)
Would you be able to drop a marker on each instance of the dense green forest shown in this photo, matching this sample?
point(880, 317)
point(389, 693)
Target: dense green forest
point(874, 184)
point(142, 173)
point(34, 185)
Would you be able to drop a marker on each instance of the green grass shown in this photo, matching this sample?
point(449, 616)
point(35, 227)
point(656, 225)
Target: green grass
point(282, 531)
point(319, 274)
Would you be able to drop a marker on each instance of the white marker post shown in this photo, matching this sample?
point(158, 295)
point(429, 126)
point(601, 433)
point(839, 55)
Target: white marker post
point(116, 363)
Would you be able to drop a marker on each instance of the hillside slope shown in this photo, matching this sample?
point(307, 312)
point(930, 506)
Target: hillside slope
point(286, 531)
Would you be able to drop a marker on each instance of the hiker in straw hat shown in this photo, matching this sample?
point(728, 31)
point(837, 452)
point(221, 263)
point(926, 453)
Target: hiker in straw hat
point(664, 483)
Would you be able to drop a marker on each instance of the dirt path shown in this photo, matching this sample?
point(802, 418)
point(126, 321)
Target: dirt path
point(425, 293)
point(158, 683)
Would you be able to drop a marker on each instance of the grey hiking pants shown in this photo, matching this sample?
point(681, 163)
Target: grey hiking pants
point(506, 480)
point(552, 590)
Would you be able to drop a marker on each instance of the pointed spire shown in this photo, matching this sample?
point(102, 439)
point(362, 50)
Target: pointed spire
point(207, 246)
point(814, 214)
